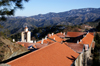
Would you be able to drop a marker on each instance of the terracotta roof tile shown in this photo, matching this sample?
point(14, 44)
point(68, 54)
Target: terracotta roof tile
point(55, 54)
point(58, 39)
point(75, 34)
point(91, 33)
point(61, 35)
point(34, 46)
point(37, 45)
point(26, 44)
point(87, 39)
point(45, 43)
point(76, 47)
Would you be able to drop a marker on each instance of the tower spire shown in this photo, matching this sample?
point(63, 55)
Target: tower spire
point(26, 28)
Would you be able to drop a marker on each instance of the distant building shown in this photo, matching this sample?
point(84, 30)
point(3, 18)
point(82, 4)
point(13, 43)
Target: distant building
point(88, 27)
point(26, 35)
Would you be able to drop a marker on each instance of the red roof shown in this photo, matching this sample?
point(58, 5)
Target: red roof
point(26, 27)
point(75, 34)
point(45, 43)
point(26, 44)
point(55, 54)
point(76, 47)
point(37, 45)
point(61, 35)
point(58, 39)
point(87, 39)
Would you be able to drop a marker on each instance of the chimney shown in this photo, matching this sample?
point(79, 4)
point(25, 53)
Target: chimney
point(64, 33)
point(35, 41)
point(13, 40)
point(52, 34)
point(49, 35)
point(45, 37)
point(42, 41)
point(80, 40)
point(54, 38)
point(61, 32)
point(77, 42)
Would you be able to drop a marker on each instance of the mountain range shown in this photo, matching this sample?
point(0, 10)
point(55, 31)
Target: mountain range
point(72, 17)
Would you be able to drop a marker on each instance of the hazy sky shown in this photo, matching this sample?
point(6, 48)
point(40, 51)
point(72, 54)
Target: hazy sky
point(35, 7)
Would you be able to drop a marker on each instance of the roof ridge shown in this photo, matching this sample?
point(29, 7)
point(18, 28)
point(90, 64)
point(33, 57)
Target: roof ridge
point(31, 53)
point(70, 48)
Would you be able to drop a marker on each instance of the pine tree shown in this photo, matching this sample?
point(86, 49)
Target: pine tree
point(98, 27)
point(8, 7)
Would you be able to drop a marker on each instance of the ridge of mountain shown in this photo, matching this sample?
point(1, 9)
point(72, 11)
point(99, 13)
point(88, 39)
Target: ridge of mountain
point(71, 13)
point(72, 17)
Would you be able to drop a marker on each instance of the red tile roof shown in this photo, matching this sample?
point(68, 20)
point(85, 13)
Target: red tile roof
point(55, 54)
point(87, 39)
point(91, 33)
point(37, 45)
point(75, 34)
point(61, 35)
point(26, 44)
point(58, 39)
point(76, 47)
point(45, 43)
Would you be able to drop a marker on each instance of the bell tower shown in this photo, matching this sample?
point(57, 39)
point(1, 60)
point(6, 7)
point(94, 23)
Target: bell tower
point(25, 35)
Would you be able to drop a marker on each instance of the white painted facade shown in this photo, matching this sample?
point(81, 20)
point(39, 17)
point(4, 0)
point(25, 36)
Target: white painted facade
point(26, 35)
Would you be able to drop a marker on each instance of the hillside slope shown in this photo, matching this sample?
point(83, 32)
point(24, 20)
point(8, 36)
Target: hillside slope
point(9, 49)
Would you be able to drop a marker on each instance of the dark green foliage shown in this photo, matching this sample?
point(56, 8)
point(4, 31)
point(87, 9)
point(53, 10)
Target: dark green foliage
point(96, 53)
point(1, 26)
point(1, 55)
point(98, 27)
point(8, 7)
point(14, 30)
point(2, 51)
point(20, 45)
point(97, 38)
point(40, 32)
point(1, 33)
point(1, 43)
point(17, 36)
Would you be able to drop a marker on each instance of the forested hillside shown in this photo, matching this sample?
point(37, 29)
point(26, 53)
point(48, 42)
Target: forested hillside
point(72, 17)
